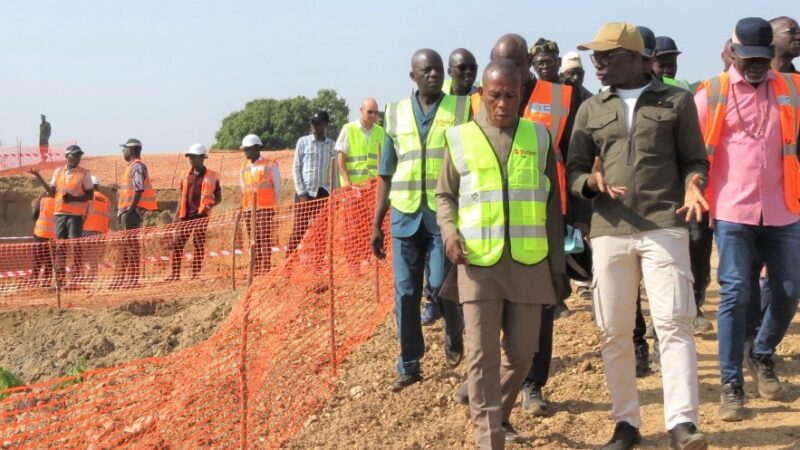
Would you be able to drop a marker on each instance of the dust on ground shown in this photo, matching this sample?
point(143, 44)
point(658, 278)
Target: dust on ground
point(42, 343)
point(364, 413)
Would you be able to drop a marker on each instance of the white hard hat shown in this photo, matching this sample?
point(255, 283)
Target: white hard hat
point(198, 149)
point(251, 140)
point(571, 60)
point(95, 181)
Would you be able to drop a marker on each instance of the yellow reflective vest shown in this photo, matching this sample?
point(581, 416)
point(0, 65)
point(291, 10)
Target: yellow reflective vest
point(362, 156)
point(483, 191)
point(418, 164)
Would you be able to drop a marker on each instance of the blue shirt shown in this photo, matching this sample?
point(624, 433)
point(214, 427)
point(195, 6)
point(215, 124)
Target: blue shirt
point(405, 225)
point(310, 168)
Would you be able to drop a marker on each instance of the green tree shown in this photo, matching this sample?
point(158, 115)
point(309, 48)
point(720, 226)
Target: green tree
point(280, 123)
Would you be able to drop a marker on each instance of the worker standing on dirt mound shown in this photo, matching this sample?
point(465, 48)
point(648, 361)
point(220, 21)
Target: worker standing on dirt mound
point(637, 153)
point(72, 188)
point(44, 138)
point(409, 169)
point(95, 226)
point(751, 117)
point(200, 191)
point(44, 230)
point(135, 197)
point(357, 151)
point(499, 210)
point(260, 180)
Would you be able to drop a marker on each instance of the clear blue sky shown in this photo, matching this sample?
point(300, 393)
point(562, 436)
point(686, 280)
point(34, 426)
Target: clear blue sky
point(168, 71)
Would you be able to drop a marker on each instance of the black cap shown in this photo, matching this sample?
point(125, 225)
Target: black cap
point(665, 45)
point(752, 38)
point(73, 149)
point(320, 116)
point(649, 39)
point(132, 143)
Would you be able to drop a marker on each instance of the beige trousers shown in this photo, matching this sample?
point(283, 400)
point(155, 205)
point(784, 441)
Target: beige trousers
point(494, 380)
point(661, 258)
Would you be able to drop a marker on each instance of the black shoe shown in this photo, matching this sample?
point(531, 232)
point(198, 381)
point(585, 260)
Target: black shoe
point(430, 314)
point(624, 438)
point(763, 369)
point(511, 434)
point(561, 311)
point(403, 381)
point(684, 436)
point(453, 355)
point(642, 354)
point(533, 401)
point(461, 395)
point(731, 403)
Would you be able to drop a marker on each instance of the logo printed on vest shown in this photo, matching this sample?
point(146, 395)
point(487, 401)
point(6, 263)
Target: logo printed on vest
point(540, 108)
point(784, 100)
point(524, 152)
point(444, 122)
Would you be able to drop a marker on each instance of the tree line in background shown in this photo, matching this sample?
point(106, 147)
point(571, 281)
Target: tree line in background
point(280, 123)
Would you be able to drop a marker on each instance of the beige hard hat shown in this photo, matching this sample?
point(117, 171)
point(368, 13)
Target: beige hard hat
point(198, 150)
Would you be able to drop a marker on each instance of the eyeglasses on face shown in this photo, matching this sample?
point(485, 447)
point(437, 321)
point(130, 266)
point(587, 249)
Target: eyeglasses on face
point(603, 59)
point(792, 30)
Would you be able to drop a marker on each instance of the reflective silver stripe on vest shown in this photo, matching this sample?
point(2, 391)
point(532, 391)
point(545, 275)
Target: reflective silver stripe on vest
point(794, 101)
point(496, 196)
point(543, 141)
point(461, 109)
point(414, 185)
point(391, 119)
point(715, 98)
point(437, 152)
point(493, 232)
point(358, 172)
point(555, 114)
point(357, 158)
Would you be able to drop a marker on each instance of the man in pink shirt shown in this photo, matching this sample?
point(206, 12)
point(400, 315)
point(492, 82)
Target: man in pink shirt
point(753, 190)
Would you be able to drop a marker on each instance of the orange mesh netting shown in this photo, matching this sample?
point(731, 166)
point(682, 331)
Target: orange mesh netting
point(13, 158)
point(164, 169)
point(316, 294)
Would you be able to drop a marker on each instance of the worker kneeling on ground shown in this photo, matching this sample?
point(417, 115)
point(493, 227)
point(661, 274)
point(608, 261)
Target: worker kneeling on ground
point(200, 191)
point(498, 206)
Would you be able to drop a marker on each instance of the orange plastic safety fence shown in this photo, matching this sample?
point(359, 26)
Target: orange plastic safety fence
point(164, 169)
point(271, 365)
point(15, 158)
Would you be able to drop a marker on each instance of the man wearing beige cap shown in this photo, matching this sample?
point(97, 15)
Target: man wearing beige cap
point(637, 152)
point(572, 73)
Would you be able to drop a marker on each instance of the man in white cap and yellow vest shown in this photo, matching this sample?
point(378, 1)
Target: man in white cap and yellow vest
point(499, 210)
point(200, 192)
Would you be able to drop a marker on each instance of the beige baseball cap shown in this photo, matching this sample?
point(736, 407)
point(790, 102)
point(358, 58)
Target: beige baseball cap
point(616, 35)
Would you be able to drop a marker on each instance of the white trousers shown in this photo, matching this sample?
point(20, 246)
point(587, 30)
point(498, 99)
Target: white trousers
point(661, 258)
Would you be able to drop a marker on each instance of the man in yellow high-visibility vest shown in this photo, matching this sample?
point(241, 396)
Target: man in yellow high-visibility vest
point(409, 169)
point(498, 206)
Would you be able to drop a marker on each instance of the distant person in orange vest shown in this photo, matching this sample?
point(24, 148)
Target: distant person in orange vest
point(95, 226)
point(72, 188)
point(260, 180)
point(44, 138)
point(44, 231)
point(200, 191)
point(135, 197)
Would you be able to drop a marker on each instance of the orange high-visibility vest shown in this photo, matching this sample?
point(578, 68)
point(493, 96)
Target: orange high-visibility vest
point(97, 214)
point(146, 201)
point(207, 187)
point(73, 187)
point(475, 103)
point(786, 88)
point(45, 226)
point(549, 105)
point(260, 183)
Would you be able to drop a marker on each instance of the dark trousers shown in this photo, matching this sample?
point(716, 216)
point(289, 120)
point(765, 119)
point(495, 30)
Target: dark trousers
point(540, 369)
point(68, 227)
point(196, 228)
point(305, 213)
point(42, 267)
point(129, 254)
point(262, 239)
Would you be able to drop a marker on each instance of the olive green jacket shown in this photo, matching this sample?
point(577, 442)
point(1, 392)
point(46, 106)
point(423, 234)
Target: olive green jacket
point(663, 150)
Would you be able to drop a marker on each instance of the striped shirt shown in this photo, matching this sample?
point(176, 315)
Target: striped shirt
point(311, 165)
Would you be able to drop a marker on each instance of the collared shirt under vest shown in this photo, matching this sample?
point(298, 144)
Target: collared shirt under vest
point(361, 148)
point(97, 215)
point(197, 193)
point(45, 226)
point(751, 140)
point(413, 151)
point(134, 179)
